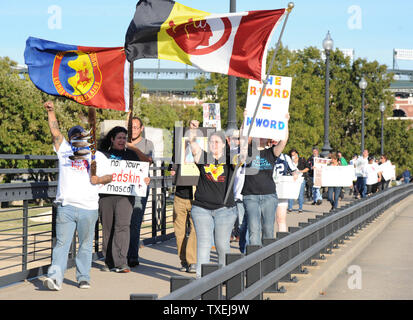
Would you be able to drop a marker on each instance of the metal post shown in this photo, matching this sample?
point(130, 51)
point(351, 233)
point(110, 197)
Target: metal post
point(214, 293)
point(25, 233)
point(253, 274)
point(232, 87)
point(362, 122)
point(382, 137)
point(326, 147)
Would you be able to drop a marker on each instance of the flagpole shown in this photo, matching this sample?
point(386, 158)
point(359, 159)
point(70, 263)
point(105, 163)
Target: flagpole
point(130, 102)
point(93, 147)
point(289, 9)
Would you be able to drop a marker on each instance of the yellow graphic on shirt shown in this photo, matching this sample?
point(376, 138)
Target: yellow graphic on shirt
point(214, 172)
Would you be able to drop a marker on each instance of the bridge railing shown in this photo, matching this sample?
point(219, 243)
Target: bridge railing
point(27, 229)
point(260, 271)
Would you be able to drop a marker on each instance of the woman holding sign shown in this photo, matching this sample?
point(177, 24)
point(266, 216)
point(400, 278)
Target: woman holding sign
point(115, 210)
point(334, 192)
point(259, 195)
point(211, 216)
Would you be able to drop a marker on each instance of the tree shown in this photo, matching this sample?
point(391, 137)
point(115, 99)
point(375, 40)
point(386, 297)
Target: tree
point(307, 69)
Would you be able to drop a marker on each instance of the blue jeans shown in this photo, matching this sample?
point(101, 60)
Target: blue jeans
point(243, 230)
point(135, 226)
point(334, 199)
point(317, 194)
point(361, 186)
point(260, 210)
point(212, 223)
point(300, 198)
point(68, 220)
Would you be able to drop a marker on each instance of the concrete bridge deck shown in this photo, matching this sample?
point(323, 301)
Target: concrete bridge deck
point(159, 262)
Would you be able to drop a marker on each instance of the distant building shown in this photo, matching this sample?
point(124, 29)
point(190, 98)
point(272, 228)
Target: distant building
point(402, 87)
point(171, 84)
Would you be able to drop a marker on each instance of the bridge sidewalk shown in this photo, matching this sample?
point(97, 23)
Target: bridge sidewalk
point(158, 263)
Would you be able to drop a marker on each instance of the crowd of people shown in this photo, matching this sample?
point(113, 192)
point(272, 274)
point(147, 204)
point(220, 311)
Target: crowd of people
point(234, 196)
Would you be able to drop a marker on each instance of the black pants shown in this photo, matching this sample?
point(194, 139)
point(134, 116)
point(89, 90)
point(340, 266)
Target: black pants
point(115, 214)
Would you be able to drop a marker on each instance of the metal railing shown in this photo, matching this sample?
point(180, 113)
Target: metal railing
point(26, 238)
point(249, 277)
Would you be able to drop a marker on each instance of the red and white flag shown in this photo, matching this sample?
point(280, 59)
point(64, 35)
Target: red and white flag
point(233, 44)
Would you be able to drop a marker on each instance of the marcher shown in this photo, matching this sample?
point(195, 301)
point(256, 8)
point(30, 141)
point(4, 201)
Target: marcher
point(259, 194)
point(77, 206)
point(316, 194)
point(116, 210)
point(146, 147)
point(301, 164)
point(212, 217)
point(334, 192)
point(353, 189)
point(283, 167)
point(361, 174)
point(406, 176)
point(183, 224)
point(239, 233)
point(373, 176)
point(385, 164)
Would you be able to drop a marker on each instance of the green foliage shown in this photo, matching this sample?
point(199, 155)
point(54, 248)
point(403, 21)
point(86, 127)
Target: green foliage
point(24, 128)
point(307, 68)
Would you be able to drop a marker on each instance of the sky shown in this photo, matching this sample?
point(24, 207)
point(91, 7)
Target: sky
point(373, 28)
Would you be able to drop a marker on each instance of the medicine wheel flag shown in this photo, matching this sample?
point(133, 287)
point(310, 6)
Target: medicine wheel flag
point(233, 44)
point(92, 76)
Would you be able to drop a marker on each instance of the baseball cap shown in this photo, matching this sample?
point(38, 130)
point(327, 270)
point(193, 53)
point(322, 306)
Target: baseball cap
point(74, 131)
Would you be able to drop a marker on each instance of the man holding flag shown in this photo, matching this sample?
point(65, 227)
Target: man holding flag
point(77, 203)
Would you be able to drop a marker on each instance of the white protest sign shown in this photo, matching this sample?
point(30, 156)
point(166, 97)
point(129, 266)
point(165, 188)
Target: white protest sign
point(127, 177)
point(270, 121)
point(211, 115)
point(337, 176)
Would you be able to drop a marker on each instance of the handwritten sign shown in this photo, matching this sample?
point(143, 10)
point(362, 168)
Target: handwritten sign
point(270, 121)
point(127, 177)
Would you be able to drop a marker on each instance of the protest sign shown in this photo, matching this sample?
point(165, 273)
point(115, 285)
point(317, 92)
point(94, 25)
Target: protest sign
point(211, 115)
point(270, 121)
point(127, 177)
point(319, 163)
point(337, 176)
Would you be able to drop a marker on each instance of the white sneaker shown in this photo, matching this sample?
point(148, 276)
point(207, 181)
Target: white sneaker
point(51, 284)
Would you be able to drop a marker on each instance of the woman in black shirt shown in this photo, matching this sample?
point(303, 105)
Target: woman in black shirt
point(115, 211)
point(212, 217)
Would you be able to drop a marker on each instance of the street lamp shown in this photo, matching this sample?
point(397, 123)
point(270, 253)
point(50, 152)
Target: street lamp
point(328, 46)
point(363, 86)
point(382, 107)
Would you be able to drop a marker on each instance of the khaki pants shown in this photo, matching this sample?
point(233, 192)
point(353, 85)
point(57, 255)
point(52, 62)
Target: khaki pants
point(186, 245)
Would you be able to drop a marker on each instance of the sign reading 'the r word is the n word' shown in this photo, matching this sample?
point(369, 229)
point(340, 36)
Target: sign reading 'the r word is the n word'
point(270, 121)
point(127, 177)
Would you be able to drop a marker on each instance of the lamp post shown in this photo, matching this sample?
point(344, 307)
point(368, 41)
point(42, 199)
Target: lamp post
point(363, 86)
point(232, 85)
point(382, 107)
point(328, 46)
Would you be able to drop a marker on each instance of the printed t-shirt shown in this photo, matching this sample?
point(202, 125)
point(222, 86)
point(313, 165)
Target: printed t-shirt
point(213, 183)
point(74, 187)
point(258, 173)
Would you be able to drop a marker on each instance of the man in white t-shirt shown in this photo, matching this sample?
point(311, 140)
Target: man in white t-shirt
point(77, 205)
point(372, 170)
point(361, 174)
